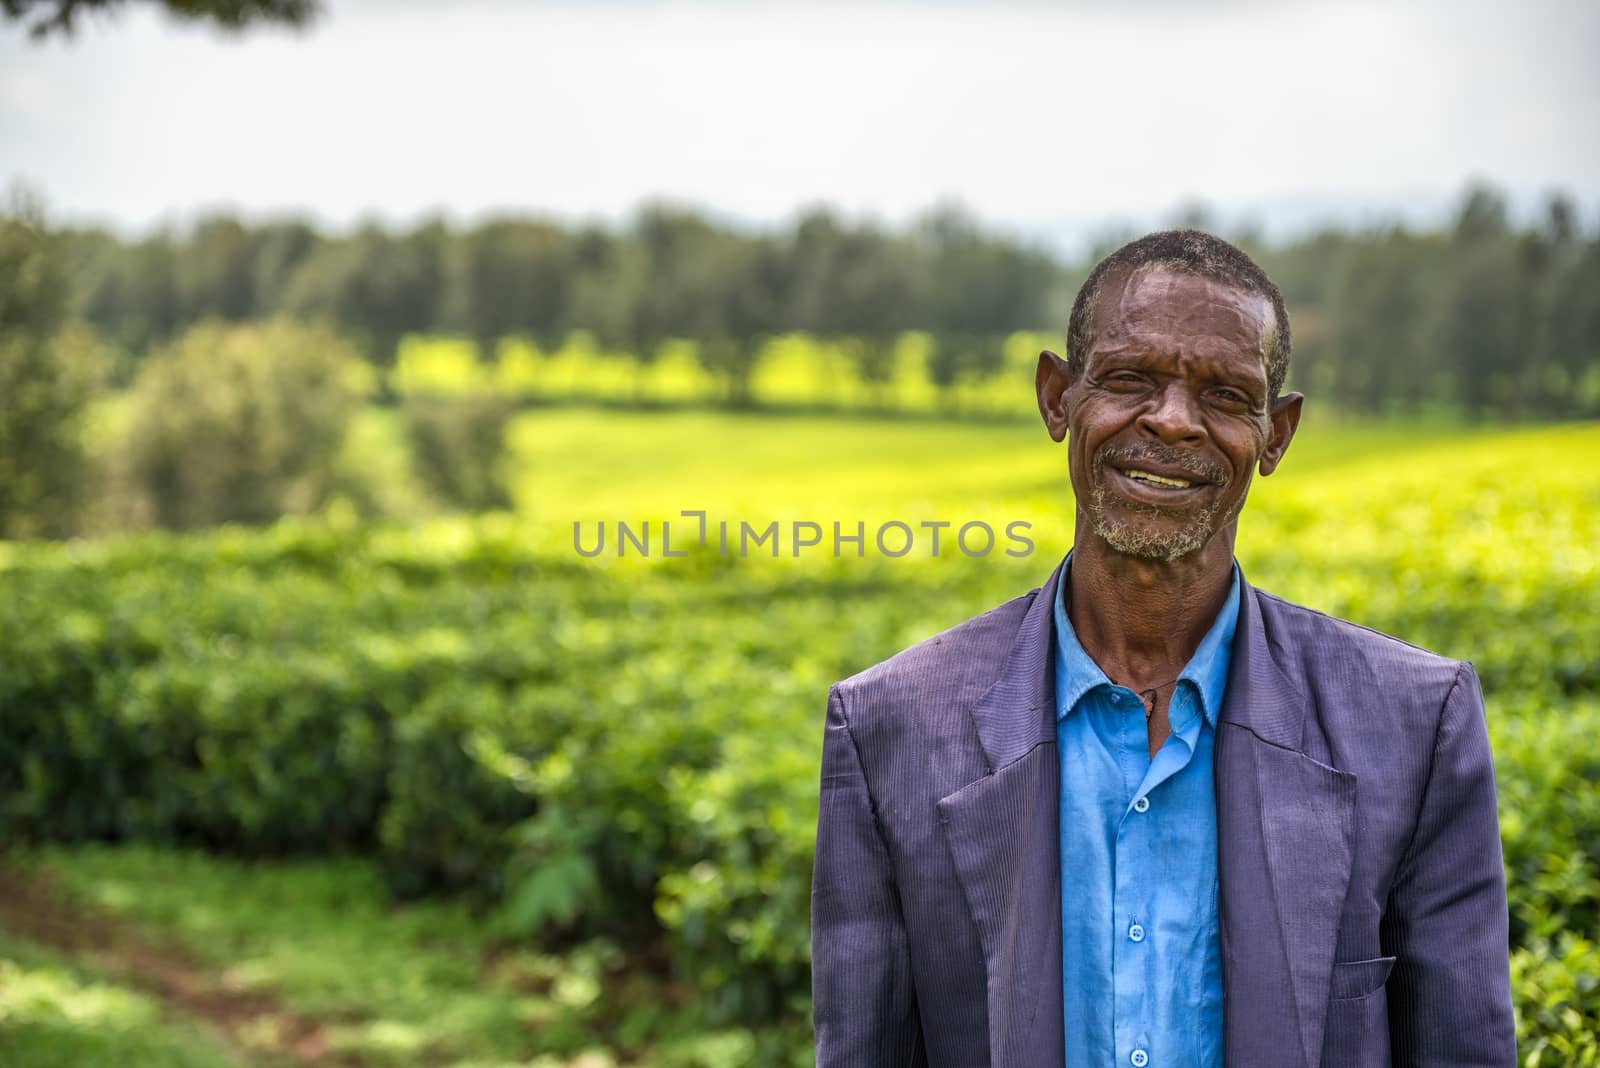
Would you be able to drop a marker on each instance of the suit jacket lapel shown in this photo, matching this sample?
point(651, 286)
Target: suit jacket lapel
point(1002, 831)
point(1285, 830)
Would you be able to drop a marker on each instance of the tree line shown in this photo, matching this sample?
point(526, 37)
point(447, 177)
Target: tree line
point(670, 274)
point(1482, 314)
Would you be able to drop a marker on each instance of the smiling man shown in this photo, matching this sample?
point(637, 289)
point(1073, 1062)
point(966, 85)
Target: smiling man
point(1147, 814)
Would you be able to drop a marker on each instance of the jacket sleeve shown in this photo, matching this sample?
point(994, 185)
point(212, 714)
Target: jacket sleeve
point(863, 1002)
point(1450, 992)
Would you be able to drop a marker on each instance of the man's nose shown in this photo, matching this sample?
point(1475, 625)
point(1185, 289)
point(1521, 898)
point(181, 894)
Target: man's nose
point(1173, 416)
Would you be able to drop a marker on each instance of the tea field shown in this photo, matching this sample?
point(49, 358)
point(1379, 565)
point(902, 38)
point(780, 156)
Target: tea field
point(453, 793)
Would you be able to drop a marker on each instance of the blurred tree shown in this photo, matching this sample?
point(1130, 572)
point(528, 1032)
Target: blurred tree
point(133, 298)
point(1306, 270)
point(1374, 336)
point(692, 273)
point(513, 276)
point(1569, 315)
point(974, 290)
point(1477, 318)
point(216, 275)
point(33, 300)
point(609, 281)
point(375, 285)
point(458, 447)
point(277, 249)
point(812, 249)
point(239, 423)
point(753, 295)
point(47, 17)
point(47, 379)
point(1482, 215)
point(869, 294)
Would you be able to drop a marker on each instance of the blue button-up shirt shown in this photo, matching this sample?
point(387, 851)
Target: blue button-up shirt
point(1140, 961)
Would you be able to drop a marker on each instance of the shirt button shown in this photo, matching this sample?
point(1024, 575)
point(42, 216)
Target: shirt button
point(1139, 1058)
point(1141, 804)
point(1136, 933)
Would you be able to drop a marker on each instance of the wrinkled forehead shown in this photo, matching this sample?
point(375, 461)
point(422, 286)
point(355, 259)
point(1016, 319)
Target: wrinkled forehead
point(1161, 303)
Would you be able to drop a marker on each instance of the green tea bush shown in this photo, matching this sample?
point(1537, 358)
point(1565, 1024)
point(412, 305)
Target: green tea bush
point(447, 812)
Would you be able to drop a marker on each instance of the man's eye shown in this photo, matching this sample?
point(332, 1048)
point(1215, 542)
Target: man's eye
point(1231, 396)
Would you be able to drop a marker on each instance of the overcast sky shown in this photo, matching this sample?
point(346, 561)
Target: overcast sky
point(1059, 120)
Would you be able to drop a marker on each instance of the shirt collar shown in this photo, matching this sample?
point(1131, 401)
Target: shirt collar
point(1207, 670)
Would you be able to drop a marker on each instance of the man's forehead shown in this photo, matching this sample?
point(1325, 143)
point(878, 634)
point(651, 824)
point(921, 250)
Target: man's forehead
point(1166, 300)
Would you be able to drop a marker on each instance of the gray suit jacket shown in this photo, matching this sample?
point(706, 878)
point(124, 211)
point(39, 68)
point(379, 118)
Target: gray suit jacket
point(1362, 892)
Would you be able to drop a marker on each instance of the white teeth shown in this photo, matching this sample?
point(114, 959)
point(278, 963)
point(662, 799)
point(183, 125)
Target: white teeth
point(1158, 480)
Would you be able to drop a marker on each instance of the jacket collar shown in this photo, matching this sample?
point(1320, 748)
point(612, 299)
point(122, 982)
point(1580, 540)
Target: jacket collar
point(1260, 698)
point(1018, 711)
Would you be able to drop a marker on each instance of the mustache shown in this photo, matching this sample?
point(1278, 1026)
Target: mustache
point(1164, 456)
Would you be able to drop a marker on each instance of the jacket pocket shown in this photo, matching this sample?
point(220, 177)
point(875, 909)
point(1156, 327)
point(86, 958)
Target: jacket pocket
point(1357, 1035)
point(1358, 978)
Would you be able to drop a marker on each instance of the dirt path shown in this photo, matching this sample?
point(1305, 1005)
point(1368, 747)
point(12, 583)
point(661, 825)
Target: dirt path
point(251, 1023)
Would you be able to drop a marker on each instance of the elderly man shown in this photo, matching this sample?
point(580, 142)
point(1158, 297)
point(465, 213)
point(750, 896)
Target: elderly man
point(1147, 814)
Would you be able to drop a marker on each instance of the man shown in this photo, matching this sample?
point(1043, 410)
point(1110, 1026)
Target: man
point(1146, 814)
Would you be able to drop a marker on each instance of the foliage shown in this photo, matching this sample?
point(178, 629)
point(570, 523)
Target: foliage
point(239, 423)
point(458, 447)
point(48, 377)
point(1557, 990)
point(62, 17)
point(627, 749)
point(377, 286)
point(1481, 315)
point(47, 477)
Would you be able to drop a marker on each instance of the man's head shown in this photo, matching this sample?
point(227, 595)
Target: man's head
point(1177, 350)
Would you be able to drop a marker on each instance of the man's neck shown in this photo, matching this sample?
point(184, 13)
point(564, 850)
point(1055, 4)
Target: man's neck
point(1141, 620)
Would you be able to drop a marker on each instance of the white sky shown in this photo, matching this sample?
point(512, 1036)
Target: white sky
point(1058, 119)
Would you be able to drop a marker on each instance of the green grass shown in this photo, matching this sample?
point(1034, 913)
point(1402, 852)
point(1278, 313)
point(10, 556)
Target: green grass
point(323, 934)
point(393, 985)
point(57, 1014)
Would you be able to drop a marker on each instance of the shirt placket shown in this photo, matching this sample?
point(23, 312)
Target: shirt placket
point(1133, 878)
point(1131, 875)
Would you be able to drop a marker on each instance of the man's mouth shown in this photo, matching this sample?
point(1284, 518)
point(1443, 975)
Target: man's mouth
point(1163, 478)
point(1150, 478)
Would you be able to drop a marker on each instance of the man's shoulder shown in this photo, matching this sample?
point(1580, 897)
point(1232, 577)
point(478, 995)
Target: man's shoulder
point(1319, 643)
point(956, 664)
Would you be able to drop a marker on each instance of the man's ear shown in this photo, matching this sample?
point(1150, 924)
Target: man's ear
point(1285, 418)
point(1052, 380)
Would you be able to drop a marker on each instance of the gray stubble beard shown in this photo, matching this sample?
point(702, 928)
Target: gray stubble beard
point(1164, 545)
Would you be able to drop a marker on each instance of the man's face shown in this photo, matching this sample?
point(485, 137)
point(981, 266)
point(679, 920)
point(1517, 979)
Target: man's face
point(1170, 415)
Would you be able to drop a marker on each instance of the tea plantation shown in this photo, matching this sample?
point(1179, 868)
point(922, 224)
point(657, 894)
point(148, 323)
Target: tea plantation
point(606, 769)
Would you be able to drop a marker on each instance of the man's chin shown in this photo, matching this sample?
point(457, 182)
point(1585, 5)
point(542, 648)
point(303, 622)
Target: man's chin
point(1164, 546)
point(1152, 534)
